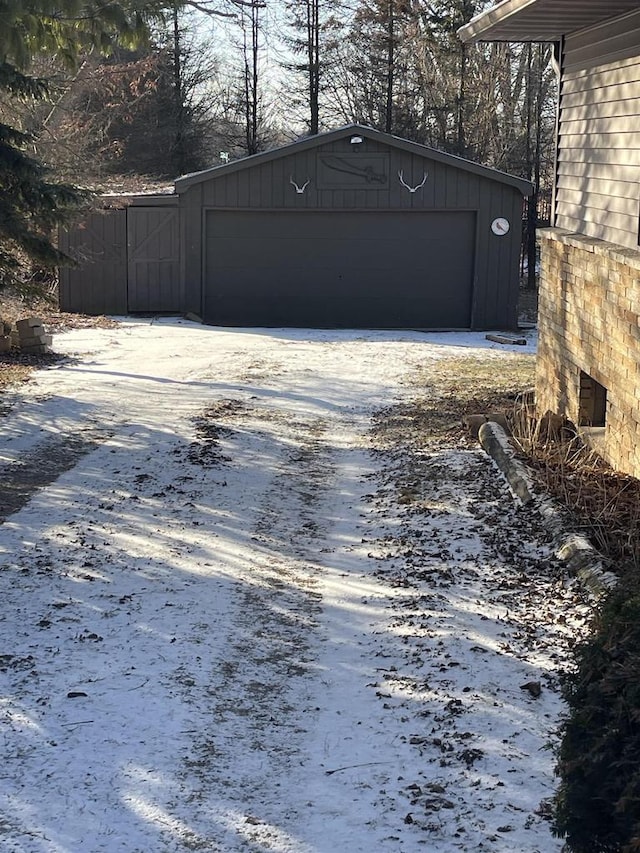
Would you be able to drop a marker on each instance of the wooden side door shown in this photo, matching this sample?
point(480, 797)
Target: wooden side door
point(153, 241)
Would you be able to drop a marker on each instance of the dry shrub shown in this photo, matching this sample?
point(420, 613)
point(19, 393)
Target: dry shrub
point(605, 502)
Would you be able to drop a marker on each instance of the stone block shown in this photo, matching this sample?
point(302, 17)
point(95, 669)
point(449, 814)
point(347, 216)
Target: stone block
point(24, 326)
point(5, 343)
point(37, 349)
point(36, 340)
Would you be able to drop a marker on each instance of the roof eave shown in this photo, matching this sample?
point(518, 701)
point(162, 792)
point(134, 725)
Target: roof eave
point(541, 20)
point(186, 181)
point(479, 27)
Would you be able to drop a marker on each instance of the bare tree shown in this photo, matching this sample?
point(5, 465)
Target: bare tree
point(305, 46)
point(309, 48)
point(251, 31)
point(143, 112)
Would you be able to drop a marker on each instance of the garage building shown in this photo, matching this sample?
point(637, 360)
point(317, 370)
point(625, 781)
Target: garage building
point(353, 228)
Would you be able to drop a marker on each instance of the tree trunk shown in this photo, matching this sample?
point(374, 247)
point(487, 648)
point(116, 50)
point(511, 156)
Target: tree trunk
point(388, 121)
point(251, 77)
point(313, 59)
point(462, 144)
point(178, 153)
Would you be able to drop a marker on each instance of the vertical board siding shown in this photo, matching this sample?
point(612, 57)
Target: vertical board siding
point(191, 204)
point(267, 186)
point(153, 250)
point(497, 259)
point(493, 296)
point(598, 171)
point(494, 276)
point(98, 285)
point(166, 263)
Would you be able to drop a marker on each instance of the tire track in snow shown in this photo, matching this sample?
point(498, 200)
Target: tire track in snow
point(42, 465)
point(260, 693)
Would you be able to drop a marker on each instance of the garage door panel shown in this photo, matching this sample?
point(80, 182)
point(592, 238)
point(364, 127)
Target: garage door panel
point(318, 311)
point(287, 252)
point(391, 269)
point(325, 283)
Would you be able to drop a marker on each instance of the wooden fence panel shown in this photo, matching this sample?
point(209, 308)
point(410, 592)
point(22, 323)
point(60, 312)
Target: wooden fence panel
point(98, 285)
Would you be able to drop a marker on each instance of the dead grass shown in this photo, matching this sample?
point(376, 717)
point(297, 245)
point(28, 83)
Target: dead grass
point(468, 385)
point(604, 503)
point(15, 367)
point(14, 305)
point(13, 374)
point(478, 383)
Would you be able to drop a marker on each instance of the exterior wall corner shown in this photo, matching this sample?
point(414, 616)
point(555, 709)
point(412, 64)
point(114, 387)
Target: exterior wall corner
point(589, 323)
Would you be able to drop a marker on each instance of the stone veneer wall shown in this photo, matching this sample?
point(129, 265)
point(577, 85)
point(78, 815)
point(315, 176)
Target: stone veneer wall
point(589, 320)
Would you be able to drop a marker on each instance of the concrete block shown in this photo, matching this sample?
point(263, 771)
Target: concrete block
point(37, 349)
point(34, 332)
point(5, 343)
point(23, 326)
point(36, 340)
point(495, 442)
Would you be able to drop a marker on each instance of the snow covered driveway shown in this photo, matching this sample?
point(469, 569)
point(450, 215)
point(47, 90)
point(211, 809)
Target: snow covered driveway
point(238, 616)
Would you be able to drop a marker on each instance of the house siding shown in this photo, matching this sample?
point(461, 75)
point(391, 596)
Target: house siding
point(589, 303)
point(588, 365)
point(598, 165)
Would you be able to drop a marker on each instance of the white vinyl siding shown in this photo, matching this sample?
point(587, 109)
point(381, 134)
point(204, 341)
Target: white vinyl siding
point(598, 170)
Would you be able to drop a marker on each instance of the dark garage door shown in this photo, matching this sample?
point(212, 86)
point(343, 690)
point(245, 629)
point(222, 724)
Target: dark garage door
point(342, 269)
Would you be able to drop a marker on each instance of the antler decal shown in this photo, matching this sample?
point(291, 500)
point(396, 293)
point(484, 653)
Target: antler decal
point(405, 184)
point(299, 190)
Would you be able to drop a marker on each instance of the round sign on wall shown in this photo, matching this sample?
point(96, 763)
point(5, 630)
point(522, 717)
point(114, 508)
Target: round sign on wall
point(500, 226)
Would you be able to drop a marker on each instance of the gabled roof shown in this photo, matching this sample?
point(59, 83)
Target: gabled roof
point(311, 142)
point(541, 20)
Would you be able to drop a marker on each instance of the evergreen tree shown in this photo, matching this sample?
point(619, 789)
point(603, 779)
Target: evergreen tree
point(314, 26)
point(385, 26)
point(32, 202)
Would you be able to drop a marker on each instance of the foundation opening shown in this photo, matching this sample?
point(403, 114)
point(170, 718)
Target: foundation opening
point(593, 402)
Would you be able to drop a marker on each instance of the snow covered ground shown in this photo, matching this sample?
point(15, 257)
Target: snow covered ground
point(234, 619)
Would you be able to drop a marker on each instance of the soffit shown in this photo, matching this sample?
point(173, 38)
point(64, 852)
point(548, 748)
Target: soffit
point(541, 20)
